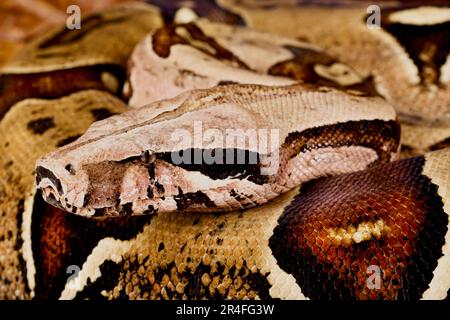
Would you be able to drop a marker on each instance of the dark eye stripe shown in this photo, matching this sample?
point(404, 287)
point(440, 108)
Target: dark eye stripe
point(236, 163)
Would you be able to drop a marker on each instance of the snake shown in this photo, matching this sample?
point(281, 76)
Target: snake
point(408, 68)
point(352, 186)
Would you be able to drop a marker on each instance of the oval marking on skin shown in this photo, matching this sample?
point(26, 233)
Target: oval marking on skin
point(364, 231)
point(40, 126)
point(339, 73)
point(425, 15)
point(411, 242)
point(185, 15)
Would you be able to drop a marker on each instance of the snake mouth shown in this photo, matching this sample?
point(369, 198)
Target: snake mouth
point(51, 196)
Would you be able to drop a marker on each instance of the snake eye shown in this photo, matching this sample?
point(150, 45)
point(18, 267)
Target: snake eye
point(70, 169)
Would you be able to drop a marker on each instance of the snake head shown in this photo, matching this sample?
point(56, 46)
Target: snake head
point(133, 164)
point(220, 149)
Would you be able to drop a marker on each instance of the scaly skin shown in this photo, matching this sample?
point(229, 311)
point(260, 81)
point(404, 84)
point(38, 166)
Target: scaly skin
point(125, 164)
point(287, 248)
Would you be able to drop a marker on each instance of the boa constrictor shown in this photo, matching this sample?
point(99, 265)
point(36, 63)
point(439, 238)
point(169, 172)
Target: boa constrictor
point(216, 231)
point(407, 56)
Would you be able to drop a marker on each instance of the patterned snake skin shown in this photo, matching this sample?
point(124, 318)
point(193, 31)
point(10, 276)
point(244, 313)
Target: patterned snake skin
point(92, 206)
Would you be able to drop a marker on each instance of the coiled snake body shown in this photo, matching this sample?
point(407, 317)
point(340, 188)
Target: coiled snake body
point(323, 205)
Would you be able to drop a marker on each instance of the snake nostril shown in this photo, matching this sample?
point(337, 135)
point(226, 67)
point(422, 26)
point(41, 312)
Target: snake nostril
point(70, 169)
